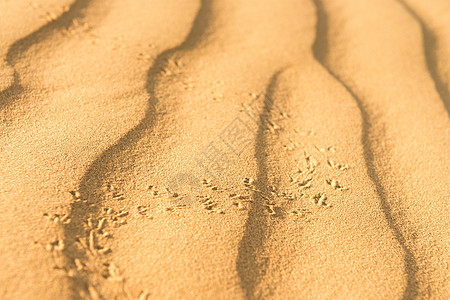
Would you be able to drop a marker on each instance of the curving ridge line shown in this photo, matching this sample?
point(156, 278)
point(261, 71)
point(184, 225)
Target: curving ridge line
point(320, 51)
point(198, 30)
point(91, 180)
point(248, 267)
point(76, 11)
point(429, 46)
point(11, 93)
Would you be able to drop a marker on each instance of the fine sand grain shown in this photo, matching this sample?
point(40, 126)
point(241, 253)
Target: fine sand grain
point(226, 149)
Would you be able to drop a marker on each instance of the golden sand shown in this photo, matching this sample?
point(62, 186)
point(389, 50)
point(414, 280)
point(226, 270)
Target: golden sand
point(227, 149)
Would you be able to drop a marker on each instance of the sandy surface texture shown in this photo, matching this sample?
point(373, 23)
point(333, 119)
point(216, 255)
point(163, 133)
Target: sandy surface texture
point(224, 149)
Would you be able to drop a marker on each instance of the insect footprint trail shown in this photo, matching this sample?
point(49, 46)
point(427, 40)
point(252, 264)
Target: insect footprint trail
point(193, 107)
point(328, 212)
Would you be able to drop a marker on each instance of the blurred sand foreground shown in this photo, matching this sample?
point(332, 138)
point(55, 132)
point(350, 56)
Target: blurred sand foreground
point(228, 149)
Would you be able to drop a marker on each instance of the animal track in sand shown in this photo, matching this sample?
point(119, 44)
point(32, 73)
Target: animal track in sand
point(181, 120)
point(75, 93)
point(243, 167)
point(309, 173)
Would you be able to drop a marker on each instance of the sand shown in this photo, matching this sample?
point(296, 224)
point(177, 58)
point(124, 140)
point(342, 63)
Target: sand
point(225, 149)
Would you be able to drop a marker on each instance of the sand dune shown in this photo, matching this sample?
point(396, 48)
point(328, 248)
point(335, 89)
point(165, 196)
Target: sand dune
point(400, 133)
point(224, 149)
point(435, 34)
point(19, 20)
point(55, 125)
point(329, 198)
